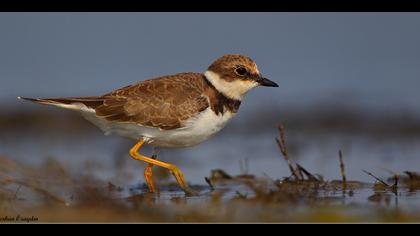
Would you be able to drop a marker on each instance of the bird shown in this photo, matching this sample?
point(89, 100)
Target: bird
point(172, 111)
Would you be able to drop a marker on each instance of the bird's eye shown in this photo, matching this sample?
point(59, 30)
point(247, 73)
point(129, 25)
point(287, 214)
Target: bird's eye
point(241, 71)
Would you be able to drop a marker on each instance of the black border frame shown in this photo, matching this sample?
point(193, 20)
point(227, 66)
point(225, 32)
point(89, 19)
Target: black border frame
point(209, 5)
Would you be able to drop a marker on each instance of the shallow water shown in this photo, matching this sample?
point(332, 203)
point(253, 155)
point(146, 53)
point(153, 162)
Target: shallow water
point(316, 152)
point(84, 152)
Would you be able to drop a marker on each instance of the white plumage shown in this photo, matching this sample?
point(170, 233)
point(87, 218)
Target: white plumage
point(196, 130)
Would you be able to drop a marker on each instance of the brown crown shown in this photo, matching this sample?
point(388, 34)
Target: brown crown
point(225, 66)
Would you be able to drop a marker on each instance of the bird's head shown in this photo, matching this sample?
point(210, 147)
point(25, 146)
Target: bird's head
point(234, 75)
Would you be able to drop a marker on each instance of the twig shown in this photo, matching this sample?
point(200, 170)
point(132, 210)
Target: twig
point(32, 185)
point(342, 169)
point(413, 176)
point(307, 173)
point(299, 172)
point(281, 142)
point(378, 179)
point(240, 195)
point(394, 187)
point(209, 183)
point(16, 192)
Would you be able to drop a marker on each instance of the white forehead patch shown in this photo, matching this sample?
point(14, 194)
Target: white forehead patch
point(235, 89)
point(256, 68)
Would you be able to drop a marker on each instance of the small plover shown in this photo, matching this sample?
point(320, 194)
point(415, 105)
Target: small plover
point(178, 110)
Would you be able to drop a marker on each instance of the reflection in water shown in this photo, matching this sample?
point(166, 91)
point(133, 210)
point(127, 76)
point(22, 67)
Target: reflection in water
point(66, 145)
point(76, 143)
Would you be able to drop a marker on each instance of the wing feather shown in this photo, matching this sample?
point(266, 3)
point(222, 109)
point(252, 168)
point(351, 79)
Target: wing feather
point(164, 102)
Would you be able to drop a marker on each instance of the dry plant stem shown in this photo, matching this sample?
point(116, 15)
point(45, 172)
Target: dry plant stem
point(299, 172)
point(378, 179)
point(394, 187)
point(282, 146)
point(342, 169)
point(307, 173)
point(208, 181)
point(31, 185)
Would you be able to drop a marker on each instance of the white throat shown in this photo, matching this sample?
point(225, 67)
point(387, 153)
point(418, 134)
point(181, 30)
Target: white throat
point(235, 89)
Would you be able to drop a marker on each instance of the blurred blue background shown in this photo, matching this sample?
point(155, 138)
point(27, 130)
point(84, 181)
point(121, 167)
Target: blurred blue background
point(367, 59)
point(366, 62)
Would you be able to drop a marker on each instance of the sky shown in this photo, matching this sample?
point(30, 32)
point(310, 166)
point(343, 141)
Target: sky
point(371, 60)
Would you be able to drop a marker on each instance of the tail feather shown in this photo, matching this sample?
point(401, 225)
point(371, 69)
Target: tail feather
point(70, 103)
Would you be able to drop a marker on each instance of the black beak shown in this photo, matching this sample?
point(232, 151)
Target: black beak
point(266, 82)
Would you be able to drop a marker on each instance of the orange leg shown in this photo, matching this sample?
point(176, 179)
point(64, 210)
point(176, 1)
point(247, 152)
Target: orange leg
point(148, 172)
point(176, 172)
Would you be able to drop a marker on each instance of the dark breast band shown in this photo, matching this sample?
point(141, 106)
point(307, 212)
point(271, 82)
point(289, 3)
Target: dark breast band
point(219, 101)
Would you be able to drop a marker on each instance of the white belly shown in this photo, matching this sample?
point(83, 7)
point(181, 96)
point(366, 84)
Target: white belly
point(196, 129)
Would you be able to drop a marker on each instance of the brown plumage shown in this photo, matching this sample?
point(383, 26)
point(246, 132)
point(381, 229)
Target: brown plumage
point(165, 102)
point(223, 66)
point(179, 110)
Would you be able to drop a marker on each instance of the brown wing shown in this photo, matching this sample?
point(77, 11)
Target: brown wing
point(164, 102)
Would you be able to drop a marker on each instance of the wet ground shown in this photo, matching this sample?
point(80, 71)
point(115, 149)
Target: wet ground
point(60, 168)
